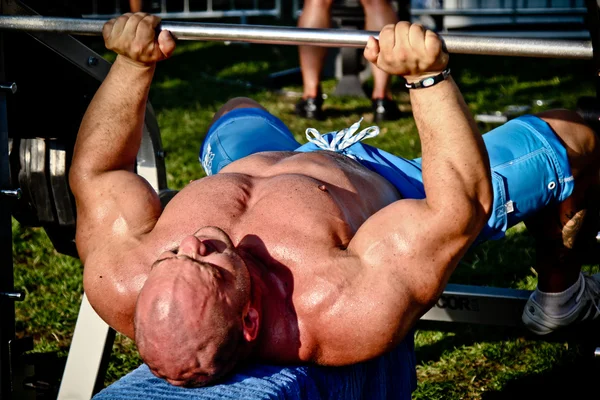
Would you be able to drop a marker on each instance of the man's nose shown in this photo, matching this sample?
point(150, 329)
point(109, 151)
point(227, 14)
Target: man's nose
point(192, 246)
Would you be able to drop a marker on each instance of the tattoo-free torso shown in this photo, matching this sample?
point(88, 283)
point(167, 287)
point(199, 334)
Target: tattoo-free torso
point(296, 213)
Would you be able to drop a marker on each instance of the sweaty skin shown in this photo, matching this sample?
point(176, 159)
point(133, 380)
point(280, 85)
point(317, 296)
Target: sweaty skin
point(329, 264)
point(295, 213)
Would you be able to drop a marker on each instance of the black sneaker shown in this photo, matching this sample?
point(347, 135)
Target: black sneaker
point(385, 110)
point(311, 108)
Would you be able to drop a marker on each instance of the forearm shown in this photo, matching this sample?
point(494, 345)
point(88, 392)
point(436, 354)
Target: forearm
point(455, 161)
point(111, 130)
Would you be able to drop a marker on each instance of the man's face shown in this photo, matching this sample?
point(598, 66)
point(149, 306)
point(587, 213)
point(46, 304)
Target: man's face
point(193, 297)
point(209, 245)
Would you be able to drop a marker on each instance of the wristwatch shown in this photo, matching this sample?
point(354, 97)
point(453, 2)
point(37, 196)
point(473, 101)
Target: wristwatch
point(430, 80)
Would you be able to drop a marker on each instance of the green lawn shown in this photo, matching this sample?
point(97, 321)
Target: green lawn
point(456, 362)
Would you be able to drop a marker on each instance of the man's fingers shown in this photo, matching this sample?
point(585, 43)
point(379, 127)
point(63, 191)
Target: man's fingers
point(401, 35)
point(434, 44)
point(145, 34)
point(166, 43)
point(372, 50)
point(107, 29)
point(386, 45)
point(407, 50)
point(416, 38)
point(130, 29)
point(119, 25)
point(438, 55)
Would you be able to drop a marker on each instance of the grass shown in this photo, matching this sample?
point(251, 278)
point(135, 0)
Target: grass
point(456, 362)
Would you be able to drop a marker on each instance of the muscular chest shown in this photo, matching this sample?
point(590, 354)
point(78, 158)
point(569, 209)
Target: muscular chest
point(292, 220)
point(295, 208)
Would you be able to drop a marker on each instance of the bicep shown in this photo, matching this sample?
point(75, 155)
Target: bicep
point(410, 229)
point(413, 247)
point(403, 254)
point(367, 320)
point(115, 205)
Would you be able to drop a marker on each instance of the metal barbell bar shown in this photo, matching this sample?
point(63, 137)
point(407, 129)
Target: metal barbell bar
point(544, 48)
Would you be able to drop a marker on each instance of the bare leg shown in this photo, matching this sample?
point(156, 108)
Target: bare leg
point(379, 13)
point(135, 6)
point(315, 14)
point(564, 232)
point(236, 102)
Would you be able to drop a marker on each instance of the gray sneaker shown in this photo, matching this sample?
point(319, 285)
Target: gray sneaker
point(587, 308)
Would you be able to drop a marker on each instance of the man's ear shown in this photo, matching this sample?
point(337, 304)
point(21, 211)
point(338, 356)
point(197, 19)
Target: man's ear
point(251, 324)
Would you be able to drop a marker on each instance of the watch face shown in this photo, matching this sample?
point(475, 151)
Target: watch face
point(428, 82)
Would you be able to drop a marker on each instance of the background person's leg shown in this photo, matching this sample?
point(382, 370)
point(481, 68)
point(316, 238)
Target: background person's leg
point(232, 104)
point(315, 14)
point(565, 232)
point(135, 6)
point(379, 13)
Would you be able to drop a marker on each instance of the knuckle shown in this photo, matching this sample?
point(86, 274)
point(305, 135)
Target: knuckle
point(136, 18)
point(154, 20)
point(402, 26)
point(387, 31)
point(106, 30)
point(136, 48)
point(417, 27)
point(386, 35)
point(146, 23)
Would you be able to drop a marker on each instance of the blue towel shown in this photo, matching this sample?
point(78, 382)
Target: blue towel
point(390, 376)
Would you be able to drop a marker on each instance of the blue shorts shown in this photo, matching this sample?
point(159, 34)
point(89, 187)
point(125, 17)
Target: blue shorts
point(530, 168)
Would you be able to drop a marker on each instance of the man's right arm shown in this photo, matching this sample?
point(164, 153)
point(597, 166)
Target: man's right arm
point(115, 206)
point(406, 252)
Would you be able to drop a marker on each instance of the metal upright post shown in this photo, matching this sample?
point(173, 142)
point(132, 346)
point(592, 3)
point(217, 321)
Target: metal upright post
point(588, 106)
point(593, 14)
point(593, 22)
point(7, 307)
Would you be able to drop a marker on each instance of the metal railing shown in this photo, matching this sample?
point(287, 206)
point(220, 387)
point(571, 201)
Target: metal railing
point(466, 13)
point(187, 9)
point(558, 10)
point(564, 16)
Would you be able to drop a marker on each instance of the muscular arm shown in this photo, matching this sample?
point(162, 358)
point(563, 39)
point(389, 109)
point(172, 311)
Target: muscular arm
point(115, 206)
point(405, 253)
point(113, 203)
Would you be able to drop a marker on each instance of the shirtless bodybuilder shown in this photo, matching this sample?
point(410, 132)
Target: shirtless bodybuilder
point(325, 253)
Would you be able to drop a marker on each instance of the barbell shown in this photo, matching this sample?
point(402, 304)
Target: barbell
point(458, 44)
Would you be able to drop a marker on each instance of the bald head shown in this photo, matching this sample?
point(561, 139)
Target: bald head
point(188, 325)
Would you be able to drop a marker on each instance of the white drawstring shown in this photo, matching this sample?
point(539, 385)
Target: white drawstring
point(342, 139)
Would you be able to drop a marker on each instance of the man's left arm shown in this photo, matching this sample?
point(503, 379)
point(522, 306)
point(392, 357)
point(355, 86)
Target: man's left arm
point(401, 258)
